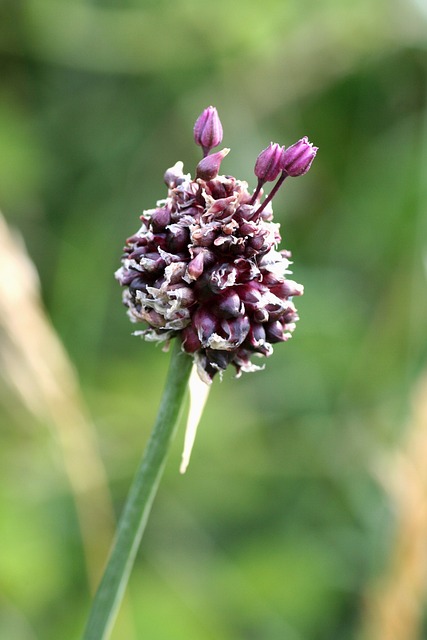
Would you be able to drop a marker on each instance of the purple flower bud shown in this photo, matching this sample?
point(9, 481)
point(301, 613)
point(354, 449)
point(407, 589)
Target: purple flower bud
point(274, 331)
point(261, 315)
point(297, 159)
point(257, 340)
point(268, 163)
point(218, 359)
point(222, 277)
point(236, 329)
point(160, 219)
point(256, 336)
point(208, 130)
point(205, 323)
point(153, 318)
point(230, 305)
point(137, 284)
point(204, 236)
point(287, 288)
point(208, 168)
point(137, 240)
point(184, 295)
point(174, 176)
point(139, 251)
point(248, 228)
point(152, 262)
point(178, 238)
point(190, 340)
point(245, 212)
point(251, 295)
point(195, 267)
point(257, 242)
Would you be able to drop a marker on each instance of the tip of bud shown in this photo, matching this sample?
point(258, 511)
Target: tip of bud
point(208, 130)
point(208, 168)
point(297, 159)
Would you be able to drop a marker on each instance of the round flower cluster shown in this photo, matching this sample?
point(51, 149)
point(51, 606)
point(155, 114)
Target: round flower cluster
point(204, 266)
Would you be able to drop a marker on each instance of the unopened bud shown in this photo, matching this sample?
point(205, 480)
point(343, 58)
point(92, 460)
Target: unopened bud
point(236, 329)
point(190, 340)
point(205, 324)
point(152, 262)
point(256, 334)
point(208, 168)
point(179, 238)
point(257, 339)
point(160, 218)
point(138, 252)
point(251, 295)
point(136, 284)
point(174, 176)
point(219, 359)
point(195, 267)
point(268, 163)
point(184, 295)
point(274, 331)
point(230, 305)
point(261, 315)
point(297, 159)
point(208, 130)
point(287, 288)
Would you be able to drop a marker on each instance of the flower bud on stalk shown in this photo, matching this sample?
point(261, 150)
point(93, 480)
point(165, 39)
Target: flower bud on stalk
point(208, 168)
point(208, 130)
point(268, 163)
point(267, 166)
point(204, 266)
point(297, 159)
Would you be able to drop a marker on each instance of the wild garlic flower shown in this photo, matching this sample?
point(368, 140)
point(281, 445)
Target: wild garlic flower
point(205, 267)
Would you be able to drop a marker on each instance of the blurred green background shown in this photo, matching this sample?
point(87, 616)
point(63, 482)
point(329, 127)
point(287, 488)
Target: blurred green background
point(282, 525)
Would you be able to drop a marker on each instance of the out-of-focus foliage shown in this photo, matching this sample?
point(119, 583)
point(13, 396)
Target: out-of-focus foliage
point(281, 525)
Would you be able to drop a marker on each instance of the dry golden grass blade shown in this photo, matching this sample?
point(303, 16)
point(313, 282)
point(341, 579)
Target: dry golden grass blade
point(35, 365)
point(395, 603)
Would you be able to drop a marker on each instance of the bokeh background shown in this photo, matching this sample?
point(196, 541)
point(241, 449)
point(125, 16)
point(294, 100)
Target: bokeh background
point(303, 513)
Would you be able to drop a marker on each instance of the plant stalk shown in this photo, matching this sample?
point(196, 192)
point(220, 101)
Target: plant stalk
point(272, 193)
point(138, 505)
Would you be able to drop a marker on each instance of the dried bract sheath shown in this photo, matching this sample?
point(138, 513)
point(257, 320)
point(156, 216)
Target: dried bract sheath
point(205, 266)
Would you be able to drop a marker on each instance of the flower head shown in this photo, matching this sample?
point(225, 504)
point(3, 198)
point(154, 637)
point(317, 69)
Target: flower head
point(204, 266)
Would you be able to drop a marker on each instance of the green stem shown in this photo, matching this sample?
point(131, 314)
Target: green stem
point(141, 495)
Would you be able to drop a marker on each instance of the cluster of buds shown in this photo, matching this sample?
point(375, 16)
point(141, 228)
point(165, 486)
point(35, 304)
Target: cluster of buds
point(205, 266)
